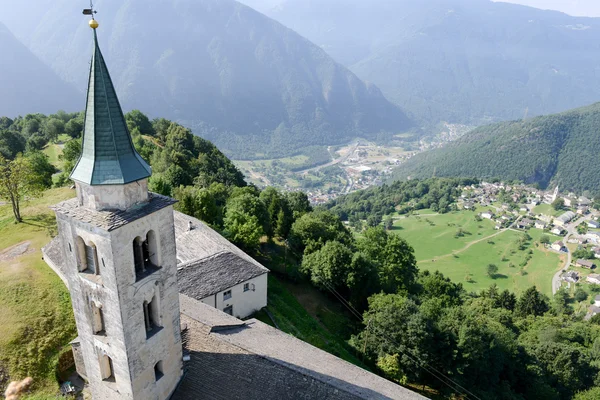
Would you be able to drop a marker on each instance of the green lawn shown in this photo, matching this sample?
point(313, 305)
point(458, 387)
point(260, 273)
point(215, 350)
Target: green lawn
point(501, 250)
point(547, 209)
point(36, 319)
point(53, 150)
point(433, 235)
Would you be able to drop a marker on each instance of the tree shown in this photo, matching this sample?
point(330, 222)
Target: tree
point(373, 220)
point(41, 169)
point(389, 223)
point(592, 394)
point(492, 270)
point(580, 295)
point(311, 231)
point(244, 221)
point(558, 204)
point(18, 181)
point(437, 286)
point(506, 300)
point(136, 119)
point(393, 257)
point(395, 327)
point(74, 128)
point(299, 203)
point(532, 302)
point(53, 128)
point(329, 266)
point(545, 239)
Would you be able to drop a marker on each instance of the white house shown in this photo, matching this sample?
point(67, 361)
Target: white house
point(593, 278)
point(487, 215)
point(593, 224)
point(597, 301)
point(564, 218)
point(558, 246)
point(556, 231)
point(540, 225)
point(212, 270)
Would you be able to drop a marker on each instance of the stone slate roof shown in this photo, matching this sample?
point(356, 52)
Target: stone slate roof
point(232, 359)
point(108, 156)
point(202, 278)
point(201, 241)
point(111, 220)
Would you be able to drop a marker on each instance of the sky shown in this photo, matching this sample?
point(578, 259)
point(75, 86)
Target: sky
point(583, 8)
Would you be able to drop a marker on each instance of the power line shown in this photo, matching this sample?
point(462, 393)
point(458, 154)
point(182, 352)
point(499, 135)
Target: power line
point(442, 378)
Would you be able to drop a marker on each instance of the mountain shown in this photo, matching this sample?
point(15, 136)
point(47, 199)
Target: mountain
point(27, 85)
point(555, 149)
point(236, 77)
point(460, 61)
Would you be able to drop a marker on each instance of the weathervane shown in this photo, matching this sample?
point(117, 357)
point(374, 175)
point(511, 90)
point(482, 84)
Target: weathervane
point(91, 11)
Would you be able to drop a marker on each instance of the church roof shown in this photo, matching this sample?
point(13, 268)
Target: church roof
point(202, 278)
point(234, 359)
point(108, 156)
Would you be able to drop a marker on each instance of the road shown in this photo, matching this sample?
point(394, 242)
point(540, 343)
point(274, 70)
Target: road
point(571, 229)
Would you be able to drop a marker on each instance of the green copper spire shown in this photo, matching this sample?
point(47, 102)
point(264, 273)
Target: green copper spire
point(108, 156)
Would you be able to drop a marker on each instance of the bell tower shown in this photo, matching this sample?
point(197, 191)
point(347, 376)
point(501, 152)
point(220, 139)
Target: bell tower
point(118, 242)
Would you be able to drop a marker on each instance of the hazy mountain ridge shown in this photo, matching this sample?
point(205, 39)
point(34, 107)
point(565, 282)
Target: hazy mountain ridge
point(555, 149)
point(26, 84)
point(238, 78)
point(466, 61)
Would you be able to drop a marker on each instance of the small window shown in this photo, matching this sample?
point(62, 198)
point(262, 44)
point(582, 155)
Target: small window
point(246, 287)
point(145, 255)
point(87, 257)
point(151, 317)
point(158, 371)
point(228, 310)
point(106, 368)
point(97, 320)
point(227, 295)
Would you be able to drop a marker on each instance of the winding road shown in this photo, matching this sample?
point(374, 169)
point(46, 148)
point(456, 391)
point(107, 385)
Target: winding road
point(571, 230)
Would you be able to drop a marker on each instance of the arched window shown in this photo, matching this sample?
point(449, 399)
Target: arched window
point(138, 257)
point(87, 257)
point(158, 370)
point(106, 368)
point(145, 255)
point(151, 316)
point(152, 249)
point(97, 320)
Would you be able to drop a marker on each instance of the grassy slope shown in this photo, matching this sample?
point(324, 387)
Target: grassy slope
point(53, 150)
point(36, 320)
point(436, 248)
point(435, 238)
point(473, 261)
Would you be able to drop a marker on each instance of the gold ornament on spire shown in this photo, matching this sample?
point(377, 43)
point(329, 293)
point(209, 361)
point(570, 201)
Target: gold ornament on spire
point(90, 11)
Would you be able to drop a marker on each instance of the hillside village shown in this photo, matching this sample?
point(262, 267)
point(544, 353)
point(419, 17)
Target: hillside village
point(573, 218)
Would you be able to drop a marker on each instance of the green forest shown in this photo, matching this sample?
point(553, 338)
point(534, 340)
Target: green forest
point(418, 327)
point(560, 149)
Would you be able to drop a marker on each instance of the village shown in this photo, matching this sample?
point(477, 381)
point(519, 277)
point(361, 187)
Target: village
point(572, 220)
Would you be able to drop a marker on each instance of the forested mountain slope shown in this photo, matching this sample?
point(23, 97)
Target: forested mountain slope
point(559, 149)
point(26, 84)
point(235, 76)
point(467, 61)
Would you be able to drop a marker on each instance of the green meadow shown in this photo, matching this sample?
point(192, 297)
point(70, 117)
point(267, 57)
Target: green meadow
point(465, 258)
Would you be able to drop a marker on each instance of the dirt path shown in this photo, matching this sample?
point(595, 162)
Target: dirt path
point(466, 247)
point(15, 251)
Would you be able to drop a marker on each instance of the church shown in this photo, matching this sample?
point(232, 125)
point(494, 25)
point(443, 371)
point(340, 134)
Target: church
point(142, 334)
